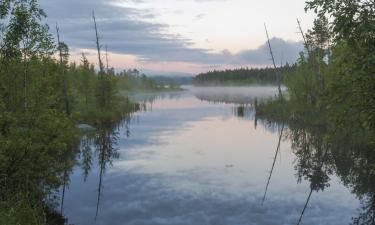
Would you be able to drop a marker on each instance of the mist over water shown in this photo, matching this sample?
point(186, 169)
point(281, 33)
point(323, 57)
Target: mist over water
point(188, 158)
point(232, 94)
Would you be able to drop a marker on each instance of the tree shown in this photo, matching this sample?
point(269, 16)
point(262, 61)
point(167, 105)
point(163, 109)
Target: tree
point(350, 75)
point(25, 37)
point(64, 58)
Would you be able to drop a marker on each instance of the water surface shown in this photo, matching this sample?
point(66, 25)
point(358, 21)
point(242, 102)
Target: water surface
point(199, 157)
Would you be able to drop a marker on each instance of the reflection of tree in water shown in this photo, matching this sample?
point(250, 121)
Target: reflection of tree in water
point(227, 99)
point(102, 144)
point(312, 159)
point(69, 163)
point(147, 100)
point(348, 151)
point(86, 155)
point(321, 153)
point(105, 145)
point(248, 112)
point(354, 158)
point(277, 152)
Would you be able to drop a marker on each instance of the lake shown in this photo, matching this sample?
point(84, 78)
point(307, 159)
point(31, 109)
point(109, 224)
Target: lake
point(200, 156)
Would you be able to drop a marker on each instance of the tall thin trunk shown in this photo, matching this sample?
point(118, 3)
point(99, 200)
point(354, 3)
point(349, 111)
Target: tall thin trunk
point(63, 193)
point(14, 101)
point(101, 67)
point(62, 74)
point(25, 70)
point(304, 208)
point(102, 98)
point(273, 163)
point(274, 64)
point(315, 60)
point(25, 75)
point(102, 161)
point(106, 58)
point(303, 36)
point(99, 189)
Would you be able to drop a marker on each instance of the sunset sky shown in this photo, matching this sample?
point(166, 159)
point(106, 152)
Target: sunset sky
point(186, 36)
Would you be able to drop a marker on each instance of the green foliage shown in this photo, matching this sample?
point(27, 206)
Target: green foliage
point(330, 110)
point(24, 35)
point(243, 76)
point(38, 137)
point(133, 80)
point(350, 73)
point(334, 78)
point(353, 20)
point(20, 212)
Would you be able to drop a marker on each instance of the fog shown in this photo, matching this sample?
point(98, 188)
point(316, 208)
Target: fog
point(238, 95)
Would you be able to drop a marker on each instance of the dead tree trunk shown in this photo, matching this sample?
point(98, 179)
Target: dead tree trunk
point(101, 67)
point(102, 91)
point(303, 36)
point(274, 65)
point(106, 58)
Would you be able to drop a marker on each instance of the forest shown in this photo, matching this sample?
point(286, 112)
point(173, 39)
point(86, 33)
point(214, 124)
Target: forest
point(329, 106)
point(243, 76)
point(43, 99)
point(327, 112)
point(333, 80)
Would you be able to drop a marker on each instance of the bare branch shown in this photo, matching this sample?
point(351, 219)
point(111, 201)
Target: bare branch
point(274, 64)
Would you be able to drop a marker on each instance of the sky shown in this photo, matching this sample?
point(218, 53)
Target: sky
point(181, 36)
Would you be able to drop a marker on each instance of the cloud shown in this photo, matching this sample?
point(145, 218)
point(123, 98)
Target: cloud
point(284, 51)
point(127, 30)
point(190, 197)
point(210, 0)
point(199, 16)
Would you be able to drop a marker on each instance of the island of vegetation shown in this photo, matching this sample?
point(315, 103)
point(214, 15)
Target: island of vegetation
point(134, 81)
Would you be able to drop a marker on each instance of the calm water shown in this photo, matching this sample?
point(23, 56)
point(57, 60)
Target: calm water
point(199, 157)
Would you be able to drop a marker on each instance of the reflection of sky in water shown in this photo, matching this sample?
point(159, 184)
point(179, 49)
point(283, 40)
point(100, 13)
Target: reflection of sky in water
point(193, 162)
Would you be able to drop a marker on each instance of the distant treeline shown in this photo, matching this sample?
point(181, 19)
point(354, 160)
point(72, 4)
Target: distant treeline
point(243, 76)
point(177, 80)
